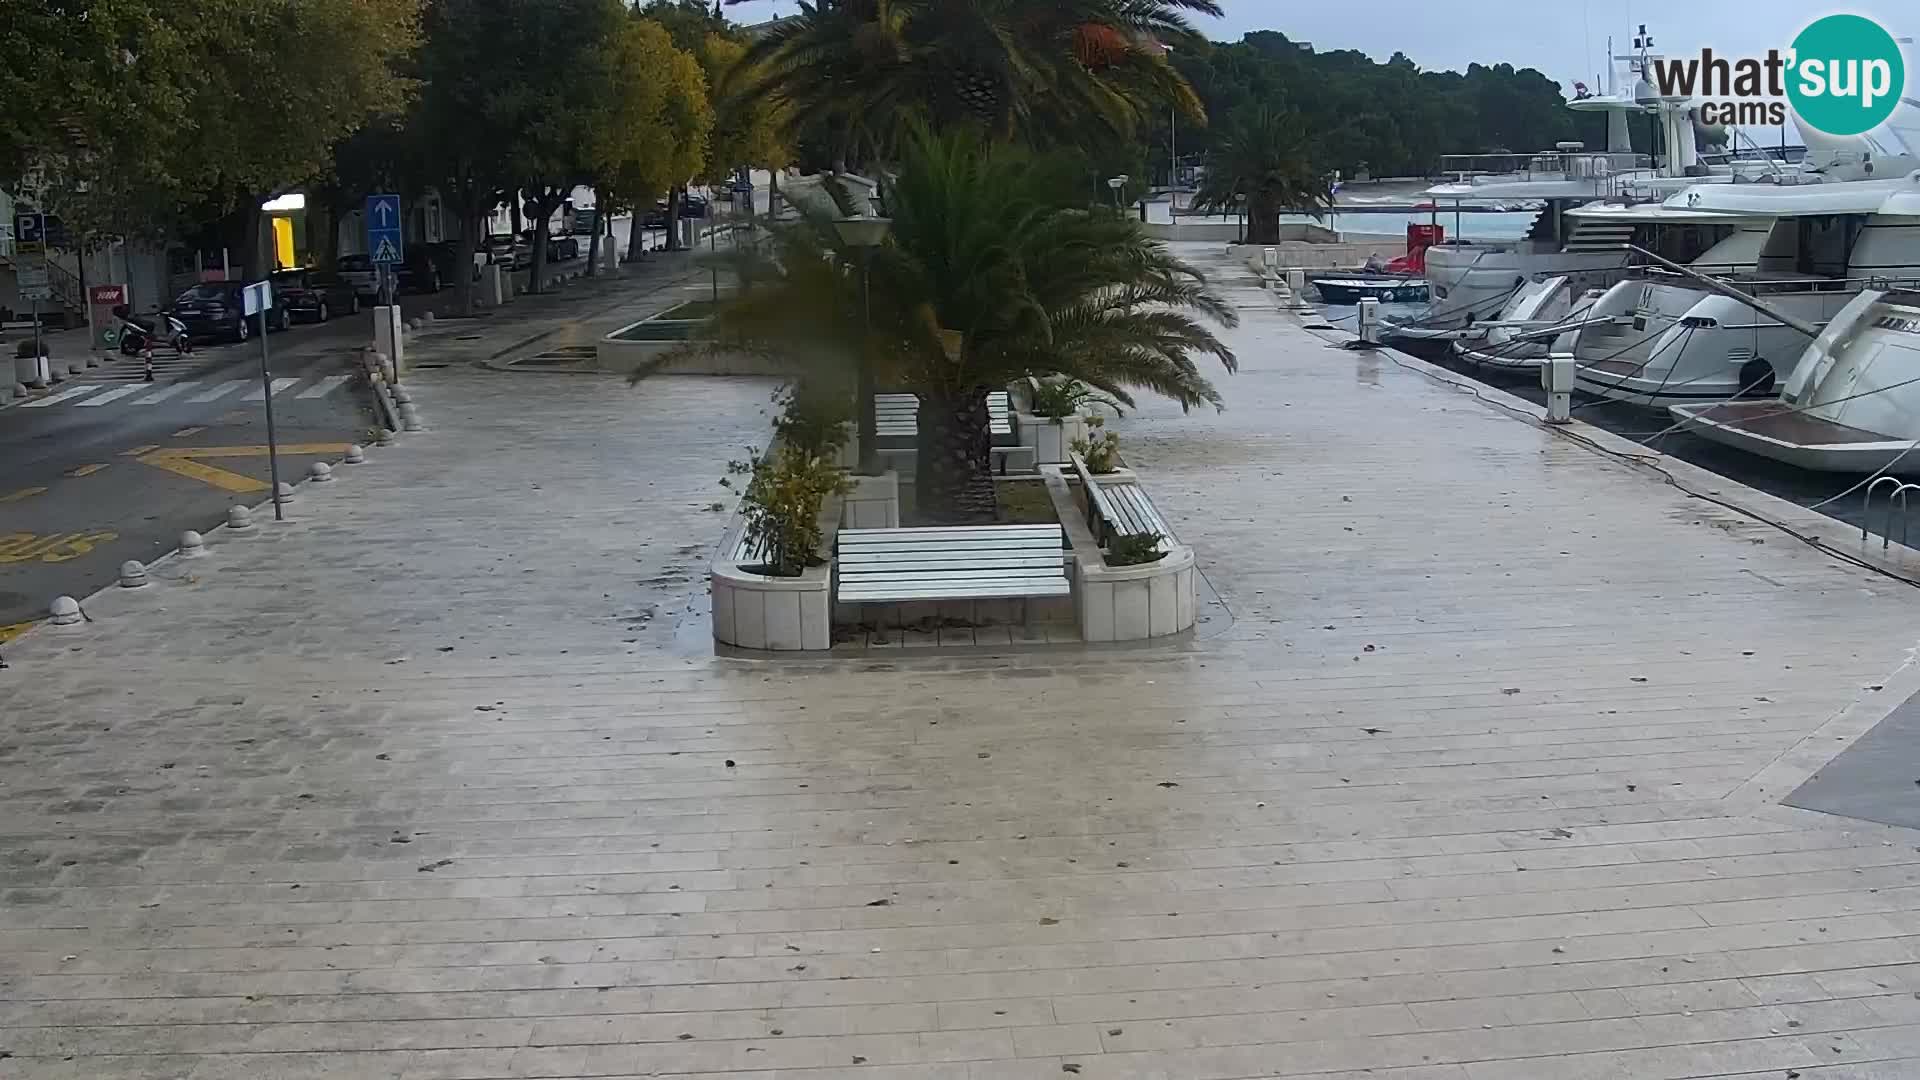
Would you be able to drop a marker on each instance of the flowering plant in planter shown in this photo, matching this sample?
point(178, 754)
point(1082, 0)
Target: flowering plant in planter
point(1100, 449)
point(784, 493)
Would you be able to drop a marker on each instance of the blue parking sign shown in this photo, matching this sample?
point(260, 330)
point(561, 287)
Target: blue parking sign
point(386, 242)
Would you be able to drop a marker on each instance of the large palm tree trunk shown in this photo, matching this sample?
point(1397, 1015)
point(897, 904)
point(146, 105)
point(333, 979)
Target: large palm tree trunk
point(1263, 221)
point(953, 470)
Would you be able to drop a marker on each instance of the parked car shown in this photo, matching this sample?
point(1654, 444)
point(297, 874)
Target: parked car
point(215, 311)
point(692, 205)
point(512, 253)
point(655, 218)
point(358, 272)
point(562, 248)
point(426, 269)
point(314, 295)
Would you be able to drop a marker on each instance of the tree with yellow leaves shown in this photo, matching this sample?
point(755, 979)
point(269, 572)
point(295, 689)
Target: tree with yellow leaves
point(651, 129)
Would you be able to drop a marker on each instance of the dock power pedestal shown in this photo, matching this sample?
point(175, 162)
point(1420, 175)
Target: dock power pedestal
point(1556, 378)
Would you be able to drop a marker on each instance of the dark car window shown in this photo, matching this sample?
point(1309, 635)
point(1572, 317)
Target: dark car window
point(354, 262)
point(291, 279)
point(203, 293)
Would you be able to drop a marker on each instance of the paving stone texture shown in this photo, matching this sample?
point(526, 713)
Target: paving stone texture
point(441, 779)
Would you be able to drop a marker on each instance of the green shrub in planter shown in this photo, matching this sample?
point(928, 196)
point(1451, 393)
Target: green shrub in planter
point(1100, 450)
point(1134, 549)
point(1062, 398)
point(815, 419)
point(785, 492)
point(26, 350)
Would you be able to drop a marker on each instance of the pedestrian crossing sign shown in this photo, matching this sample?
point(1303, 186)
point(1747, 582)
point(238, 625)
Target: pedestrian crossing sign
point(386, 252)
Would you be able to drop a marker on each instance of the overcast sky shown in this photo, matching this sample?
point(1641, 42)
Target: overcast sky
point(1566, 39)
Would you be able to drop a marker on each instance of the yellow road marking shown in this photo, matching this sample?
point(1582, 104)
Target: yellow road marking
point(55, 548)
point(138, 450)
point(184, 461)
point(186, 431)
point(23, 493)
point(87, 470)
point(14, 630)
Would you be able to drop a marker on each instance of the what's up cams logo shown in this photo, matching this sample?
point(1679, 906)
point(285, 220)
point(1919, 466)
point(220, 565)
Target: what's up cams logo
point(1844, 76)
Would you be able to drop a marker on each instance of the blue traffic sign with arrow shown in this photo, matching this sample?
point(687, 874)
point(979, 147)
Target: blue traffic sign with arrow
point(386, 242)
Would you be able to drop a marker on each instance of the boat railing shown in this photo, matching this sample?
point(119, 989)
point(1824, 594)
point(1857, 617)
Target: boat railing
point(1557, 164)
point(1785, 286)
point(1899, 492)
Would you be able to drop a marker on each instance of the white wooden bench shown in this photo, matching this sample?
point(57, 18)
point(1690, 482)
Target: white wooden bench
point(985, 562)
point(897, 417)
point(1120, 509)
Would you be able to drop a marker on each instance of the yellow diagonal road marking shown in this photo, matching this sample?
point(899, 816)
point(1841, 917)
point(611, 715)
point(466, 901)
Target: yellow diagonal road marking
point(23, 493)
point(138, 450)
point(14, 630)
point(184, 461)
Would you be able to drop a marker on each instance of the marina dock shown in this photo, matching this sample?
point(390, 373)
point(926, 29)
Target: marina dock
point(1486, 779)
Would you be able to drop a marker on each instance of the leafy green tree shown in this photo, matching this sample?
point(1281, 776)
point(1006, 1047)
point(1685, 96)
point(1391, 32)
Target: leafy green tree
point(994, 269)
point(1073, 71)
point(1264, 160)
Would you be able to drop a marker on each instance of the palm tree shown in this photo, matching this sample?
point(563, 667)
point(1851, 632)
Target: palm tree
point(1072, 70)
point(991, 273)
point(1266, 160)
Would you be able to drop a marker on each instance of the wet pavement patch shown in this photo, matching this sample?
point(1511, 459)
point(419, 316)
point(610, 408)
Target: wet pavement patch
point(1875, 779)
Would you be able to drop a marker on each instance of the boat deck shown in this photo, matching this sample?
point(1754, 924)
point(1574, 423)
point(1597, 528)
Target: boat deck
point(1771, 420)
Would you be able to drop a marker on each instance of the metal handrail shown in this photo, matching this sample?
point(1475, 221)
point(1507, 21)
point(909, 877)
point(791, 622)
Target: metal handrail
point(1721, 287)
point(1557, 162)
point(1899, 491)
point(1800, 284)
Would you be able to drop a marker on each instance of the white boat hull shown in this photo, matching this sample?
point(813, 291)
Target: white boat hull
point(1770, 429)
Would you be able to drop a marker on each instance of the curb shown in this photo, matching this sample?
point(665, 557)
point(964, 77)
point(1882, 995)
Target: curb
point(491, 362)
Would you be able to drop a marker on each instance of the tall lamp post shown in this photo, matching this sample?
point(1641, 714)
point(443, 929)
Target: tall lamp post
point(1116, 183)
point(863, 234)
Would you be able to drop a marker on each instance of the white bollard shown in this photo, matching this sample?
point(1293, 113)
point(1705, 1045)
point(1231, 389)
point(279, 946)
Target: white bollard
point(192, 545)
point(65, 611)
point(389, 337)
point(239, 519)
point(285, 492)
point(410, 418)
point(320, 473)
point(133, 574)
point(402, 395)
point(385, 438)
point(355, 455)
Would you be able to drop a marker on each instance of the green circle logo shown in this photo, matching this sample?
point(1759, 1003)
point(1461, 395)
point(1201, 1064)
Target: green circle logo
point(1847, 75)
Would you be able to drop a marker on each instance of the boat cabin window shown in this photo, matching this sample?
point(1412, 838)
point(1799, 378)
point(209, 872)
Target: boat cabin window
point(1825, 244)
point(1680, 242)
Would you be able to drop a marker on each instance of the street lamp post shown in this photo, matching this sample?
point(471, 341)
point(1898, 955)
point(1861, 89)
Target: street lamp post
point(1116, 183)
point(863, 234)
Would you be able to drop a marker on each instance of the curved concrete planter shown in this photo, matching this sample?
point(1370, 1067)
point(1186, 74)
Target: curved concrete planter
point(774, 614)
point(1135, 603)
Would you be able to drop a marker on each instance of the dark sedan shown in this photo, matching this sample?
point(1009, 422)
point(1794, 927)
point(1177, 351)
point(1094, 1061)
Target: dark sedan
point(313, 296)
point(213, 311)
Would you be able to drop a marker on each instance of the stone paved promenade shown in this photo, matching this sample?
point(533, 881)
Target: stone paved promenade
point(440, 780)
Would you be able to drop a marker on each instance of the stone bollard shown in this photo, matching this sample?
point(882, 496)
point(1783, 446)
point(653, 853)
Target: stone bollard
point(7, 391)
point(192, 545)
point(429, 317)
point(385, 438)
point(410, 418)
point(133, 575)
point(284, 492)
point(239, 519)
point(320, 472)
point(65, 611)
point(75, 369)
point(413, 323)
point(355, 455)
point(402, 396)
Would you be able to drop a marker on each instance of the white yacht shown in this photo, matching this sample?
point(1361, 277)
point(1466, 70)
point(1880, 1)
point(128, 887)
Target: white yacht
point(1852, 404)
point(1658, 338)
point(1472, 281)
point(1541, 319)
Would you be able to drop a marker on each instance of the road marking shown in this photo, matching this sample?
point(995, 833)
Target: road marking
point(219, 391)
point(87, 470)
point(184, 461)
point(260, 393)
point(166, 392)
point(186, 431)
point(112, 395)
point(55, 548)
point(138, 450)
point(14, 630)
point(55, 399)
point(23, 493)
point(324, 386)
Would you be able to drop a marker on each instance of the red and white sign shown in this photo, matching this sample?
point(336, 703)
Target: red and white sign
point(106, 295)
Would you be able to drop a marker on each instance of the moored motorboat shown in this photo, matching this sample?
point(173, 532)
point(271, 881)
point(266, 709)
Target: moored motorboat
point(1852, 404)
point(1387, 290)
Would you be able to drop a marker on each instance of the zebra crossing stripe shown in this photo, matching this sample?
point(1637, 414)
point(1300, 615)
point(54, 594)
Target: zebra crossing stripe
point(219, 391)
point(323, 387)
point(166, 392)
point(55, 399)
point(260, 393)
point(112, 395)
